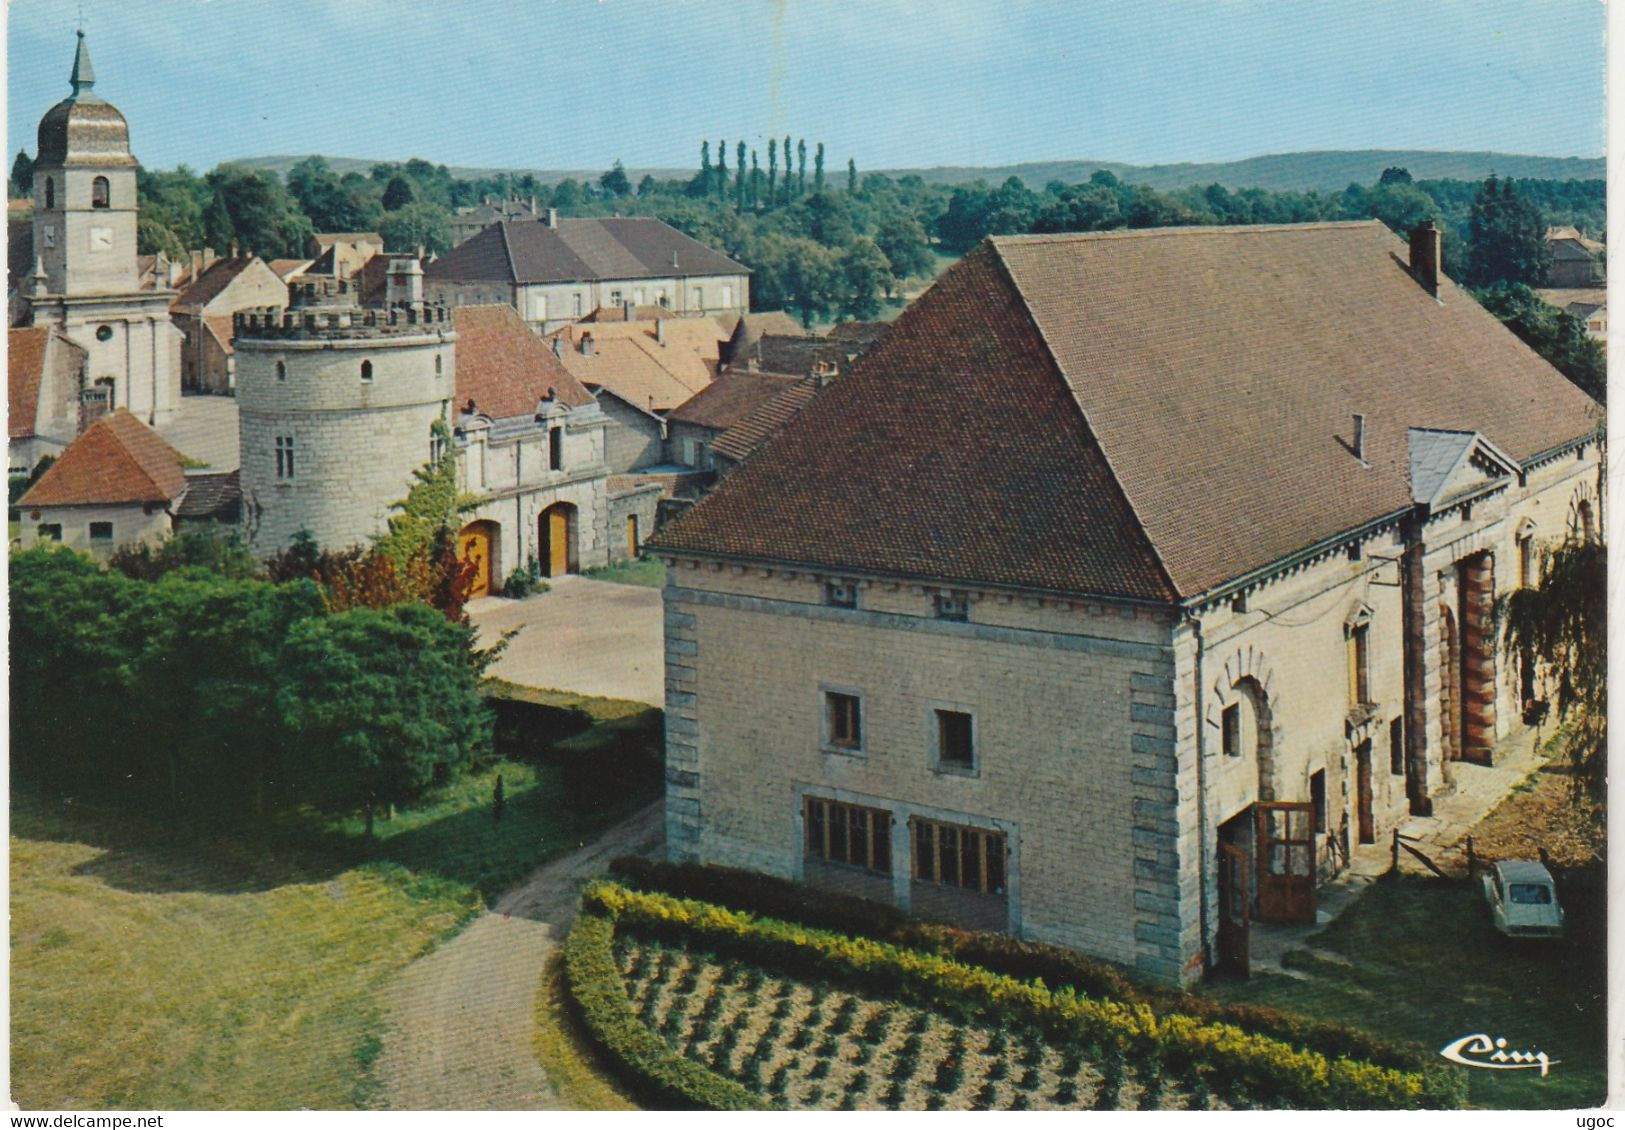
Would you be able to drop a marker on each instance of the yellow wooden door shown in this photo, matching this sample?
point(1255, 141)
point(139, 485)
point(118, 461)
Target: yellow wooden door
point(631, 535)
point(558, 541)
point(475, 545)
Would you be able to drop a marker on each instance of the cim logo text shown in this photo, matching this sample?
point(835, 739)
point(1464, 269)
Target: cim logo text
point(1479, 1050)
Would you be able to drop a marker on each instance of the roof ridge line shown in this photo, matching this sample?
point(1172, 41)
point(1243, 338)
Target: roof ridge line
point(1094, 436)
point(1177, 229)
point(507, 252)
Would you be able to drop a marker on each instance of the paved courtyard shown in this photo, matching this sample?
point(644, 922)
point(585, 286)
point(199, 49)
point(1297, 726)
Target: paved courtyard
point(587, 636)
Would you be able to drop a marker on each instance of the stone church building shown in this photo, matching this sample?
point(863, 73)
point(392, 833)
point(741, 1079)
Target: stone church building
point(1127, 585)
point(84, 282)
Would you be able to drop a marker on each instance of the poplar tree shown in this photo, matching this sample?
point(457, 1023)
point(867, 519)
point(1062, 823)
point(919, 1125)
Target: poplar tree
point(705, 164)
point(739, 167)
point(818, 169)
point(773, 169)
point(851, 175)
point(801, 156)
point(722, 169)
point(755, 182)
point(788, 187)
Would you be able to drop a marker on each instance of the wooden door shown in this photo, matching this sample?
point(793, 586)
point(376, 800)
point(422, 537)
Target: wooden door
point(1286, 862)
point(1362, 795)
point(1235, 910)
point(632, 535)
point(474, 544)
point(558, 540)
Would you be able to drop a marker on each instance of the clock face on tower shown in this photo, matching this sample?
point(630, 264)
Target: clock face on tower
point(101, 239)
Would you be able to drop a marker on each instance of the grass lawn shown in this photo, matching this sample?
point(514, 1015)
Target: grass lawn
point(1416, 959)
point(171, 965)
point(647, 571)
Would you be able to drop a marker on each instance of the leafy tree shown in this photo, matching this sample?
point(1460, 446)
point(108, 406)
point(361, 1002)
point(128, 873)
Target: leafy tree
point(1560, 627)
point(647, 186)
point(1554, 334)
point(567, 194)
point(1506, 238)
point(902, 240)
point(382, 702)
point(1089, 207)
point(421, 223)
point(334, 203)
point(1395, 174)
point(864, 273)
point(1401, 205)
point(218, 550)
point(397, 194)
point(253, 209)
point(22, 175)
point(615, 182)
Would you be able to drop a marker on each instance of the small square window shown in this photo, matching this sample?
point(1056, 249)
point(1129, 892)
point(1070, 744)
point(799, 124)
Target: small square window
point(50, 531)
point(1396, 747)
point(955, 740)
point(101, 531)
point(841, 594)
point(1230, 725)
point(951, 606)
point(844, 720)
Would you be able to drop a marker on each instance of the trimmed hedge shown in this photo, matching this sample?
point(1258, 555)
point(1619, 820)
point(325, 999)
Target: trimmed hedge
point(600, 997)
point(1028, 961)
point(1250, 1068)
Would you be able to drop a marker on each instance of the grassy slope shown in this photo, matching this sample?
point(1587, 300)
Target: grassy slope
point(647, 571)
point(158, 966)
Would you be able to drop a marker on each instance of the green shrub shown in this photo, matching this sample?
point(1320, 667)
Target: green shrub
point(1055, 965)
point(1269, 1069)
point(530, 729)
point(611, 760)
point(596, 988)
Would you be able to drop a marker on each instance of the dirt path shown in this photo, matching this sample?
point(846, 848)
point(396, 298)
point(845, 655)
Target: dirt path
point(459, 1022)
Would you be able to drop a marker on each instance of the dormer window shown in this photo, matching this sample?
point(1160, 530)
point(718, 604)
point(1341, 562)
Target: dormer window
point(841, 594)
point(101, 193)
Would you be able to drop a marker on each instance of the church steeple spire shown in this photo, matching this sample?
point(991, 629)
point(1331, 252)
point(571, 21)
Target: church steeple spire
point(84, 75)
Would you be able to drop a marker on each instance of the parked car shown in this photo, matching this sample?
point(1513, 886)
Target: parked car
point(1523, 899)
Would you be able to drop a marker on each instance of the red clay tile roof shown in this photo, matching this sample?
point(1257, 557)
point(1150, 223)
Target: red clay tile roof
point(25, 369)
point(759, 426)
point(504, 368)
point(220, 325)
point(578, 250)
point(118, 459)
point(729, 399)
point(1146, 414)
point(283, 268)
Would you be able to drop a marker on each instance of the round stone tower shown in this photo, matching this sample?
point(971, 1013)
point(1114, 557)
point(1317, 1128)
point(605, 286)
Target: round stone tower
point(336, 409)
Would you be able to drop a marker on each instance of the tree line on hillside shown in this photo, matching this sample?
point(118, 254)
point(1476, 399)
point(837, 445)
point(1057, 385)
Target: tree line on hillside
point(825, 250)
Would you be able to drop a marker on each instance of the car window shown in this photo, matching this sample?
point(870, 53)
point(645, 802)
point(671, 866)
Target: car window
point(1531, 894)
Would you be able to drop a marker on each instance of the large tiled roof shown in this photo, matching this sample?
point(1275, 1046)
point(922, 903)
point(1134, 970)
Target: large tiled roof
point(212, 282)
point(768, 418)
point(214, 494)
point(579, 250)
point(504, 368)
point(1147, 414)
point(25, 370)
point(729, 399)
point(629, 359)
point(116, 460)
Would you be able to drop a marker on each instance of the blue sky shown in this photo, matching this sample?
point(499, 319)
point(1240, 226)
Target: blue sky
point(580, 83)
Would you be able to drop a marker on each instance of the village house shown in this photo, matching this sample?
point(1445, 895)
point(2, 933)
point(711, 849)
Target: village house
point(341, 254)
point(203, 310)
point(1586, 305)
point(556, 271)
point(1576, 260)
point(45, 376)
point(1129, 583)
point(470, 221)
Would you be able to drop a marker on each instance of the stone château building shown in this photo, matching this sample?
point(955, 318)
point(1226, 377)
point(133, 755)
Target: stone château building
point(1129, 583)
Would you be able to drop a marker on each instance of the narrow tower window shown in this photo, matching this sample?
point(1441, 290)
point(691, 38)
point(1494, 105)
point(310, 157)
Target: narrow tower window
point(50, 192)
point(281, 371)
point(284, 457)
point(101, 193)
point(366, 370)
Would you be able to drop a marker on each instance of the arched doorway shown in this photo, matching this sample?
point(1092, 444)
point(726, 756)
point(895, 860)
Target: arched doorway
point(478, 543)
point(556, 539)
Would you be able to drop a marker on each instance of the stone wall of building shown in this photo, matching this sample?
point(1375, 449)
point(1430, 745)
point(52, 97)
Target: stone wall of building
point(634, 438)
point(632, 514)
point(1072, 709)
point(128, 525)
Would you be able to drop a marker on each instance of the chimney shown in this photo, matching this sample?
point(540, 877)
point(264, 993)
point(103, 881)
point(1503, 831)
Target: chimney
point(1427, 255)
point(587, 347)
point(558, 347)
point(660, 331)
point(1359, 436)
point(552, 217)
point(404, 283)
point(533, 208)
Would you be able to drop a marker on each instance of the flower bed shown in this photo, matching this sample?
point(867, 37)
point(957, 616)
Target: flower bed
point(1241, 1067)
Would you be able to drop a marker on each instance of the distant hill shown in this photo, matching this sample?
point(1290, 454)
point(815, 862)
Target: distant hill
point(1328, 171)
